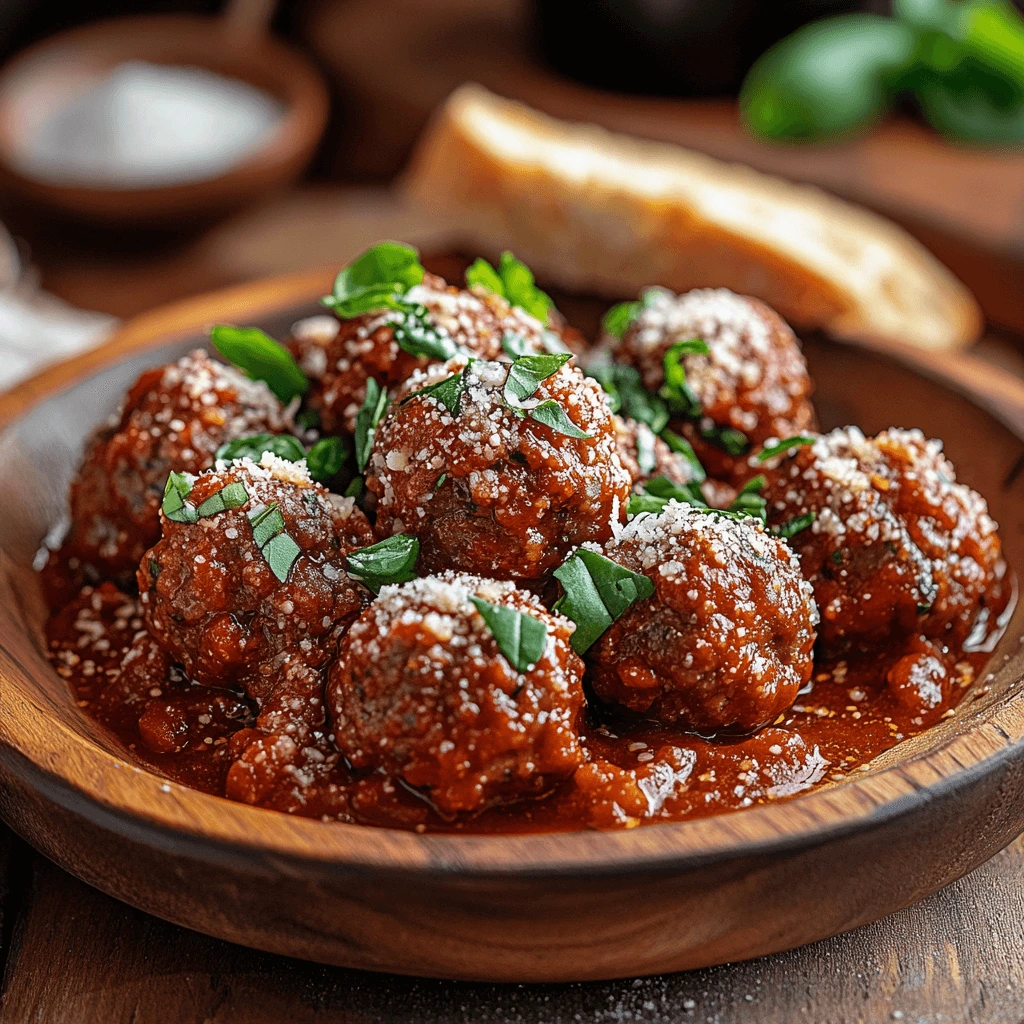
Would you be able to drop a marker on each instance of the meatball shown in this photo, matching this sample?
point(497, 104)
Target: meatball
point(339, 357)
point(486, 486)
point(896, 545)
point(252, 594)
point(174, 417)
point(422, 690)
point(725, 641)
point(753, 380)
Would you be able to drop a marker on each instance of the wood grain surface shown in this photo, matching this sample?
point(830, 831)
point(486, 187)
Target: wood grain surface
point(79, 957)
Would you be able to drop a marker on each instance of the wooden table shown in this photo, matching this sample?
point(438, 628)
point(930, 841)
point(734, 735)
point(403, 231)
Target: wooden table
point(69, 955)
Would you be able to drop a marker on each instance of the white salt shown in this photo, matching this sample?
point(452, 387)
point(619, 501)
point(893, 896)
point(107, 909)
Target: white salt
point(151, 124)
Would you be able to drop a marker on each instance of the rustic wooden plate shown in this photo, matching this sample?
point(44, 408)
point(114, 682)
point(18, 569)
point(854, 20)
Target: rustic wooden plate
point(530, 908)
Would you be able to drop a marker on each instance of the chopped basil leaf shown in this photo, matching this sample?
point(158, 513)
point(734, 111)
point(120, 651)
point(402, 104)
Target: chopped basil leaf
point(646, 456)
point(783, 446)
point(639, 503)
point(515, 345)
point(617, 320)
point(552, 415)
point(372, 412)
point(628, 396)
point(391, 561)
point(174, 505)
point(233, 495)
point(355, 488)
point(596, 592)
point(154, 569)
point(375, 280)
point(676, 392)
point(514, 282)
point(662, 487)
point(266, 522)
point(308, 419)
point(448, 392)
point(439, 482)
point(324, 459)
point(749, 501)
point(261, 358)
point(281, 552)
point(728, 439)
point(792, 527)
point(520, 637)
point(419, 337)
point(837, 556)
point(285, 446)
point(526, 373)
point(683, 447)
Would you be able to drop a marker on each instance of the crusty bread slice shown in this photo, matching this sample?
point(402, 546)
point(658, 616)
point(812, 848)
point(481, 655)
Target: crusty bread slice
point(593, 211)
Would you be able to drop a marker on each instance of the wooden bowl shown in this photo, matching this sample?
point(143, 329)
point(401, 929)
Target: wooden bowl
point(526, 908)
point(47, 73)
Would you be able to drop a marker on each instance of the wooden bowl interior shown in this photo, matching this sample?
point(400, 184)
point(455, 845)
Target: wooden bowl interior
point(49, 73)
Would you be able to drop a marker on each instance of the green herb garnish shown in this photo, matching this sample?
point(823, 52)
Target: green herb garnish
point(370, 414)
point(620, 317)
point(526, 373)
point(749, 501)
point(440, 482)
point(730, 440)
point(325, 458)
point(520, 637)
point(419, 337)
point(553, 416)
point(375, 280)
point(793, 526)
point(279, 550)
point(627, 395)
point(682, 447)
point(261, 358)
point(174, 505)
point(515, 345)
point(355, 488)
point(448, 392)
point(391, 561)
point(676, 392)
point(308, 419)
point(596, 592)
point(154, 569)
point(284, 446)
point(783, 446)
point(232, 495)
point(514, 282)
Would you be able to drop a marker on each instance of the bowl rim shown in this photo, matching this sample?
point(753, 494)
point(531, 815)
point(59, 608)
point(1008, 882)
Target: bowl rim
point(130, 800)
point(303, 93)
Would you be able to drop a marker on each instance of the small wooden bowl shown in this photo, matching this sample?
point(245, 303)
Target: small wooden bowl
point(518, 908)
point(47, 73)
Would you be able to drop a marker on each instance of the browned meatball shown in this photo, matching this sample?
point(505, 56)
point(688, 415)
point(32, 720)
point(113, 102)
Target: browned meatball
point(174, 417)
point(725, 641)
point(340, 356)
point(897, 546)
point(488, 488)
point(253, 594)
point(752, 381)
point(422, 690)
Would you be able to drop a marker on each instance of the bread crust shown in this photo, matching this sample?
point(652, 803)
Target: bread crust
point(604, 213)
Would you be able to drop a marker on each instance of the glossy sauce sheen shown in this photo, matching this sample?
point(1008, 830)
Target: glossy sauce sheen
point(843, 719)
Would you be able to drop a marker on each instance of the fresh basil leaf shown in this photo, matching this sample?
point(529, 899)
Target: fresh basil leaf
point(792, 527)
point(284, 446)
point(448, 392)
point(617, 320)
point(261, 358)
point(308, 419)
point(683, 447)
point(372, 412)
point(730, 440)
point(749, 501)
point(174, 505)
point(375, 280)
point(325, 458)
point(520, 637)
point(418, 336)
point(662, 487)
point(596, 593)
point(515, 345)
point(232, 495)
point(514, 282)
point(391, 561)
point(628, 396)
point(676, 392)
point(281, 552)
point(553, 416)
point(797, 441)
point(355, 488)
point(639, 503)
point(526, 373)
point(267, 522)
point(154, 569)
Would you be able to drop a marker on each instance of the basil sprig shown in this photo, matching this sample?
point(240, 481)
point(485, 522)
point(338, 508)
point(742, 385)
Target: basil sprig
point(797, 441)
point(390, 561)
point(276, 546)
point(513, 281)
point(323, 459)
point(519, 636)
point(260, 357)
point(375, 280)
point(369, 416)
point(596, 593)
